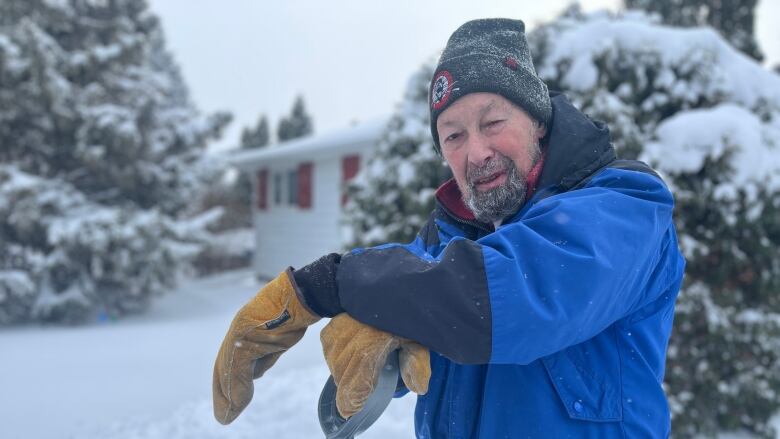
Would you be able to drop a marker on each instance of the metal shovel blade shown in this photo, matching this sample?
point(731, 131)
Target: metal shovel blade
point(336, 427)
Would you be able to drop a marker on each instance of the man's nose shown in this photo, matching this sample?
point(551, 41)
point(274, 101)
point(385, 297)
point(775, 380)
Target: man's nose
point(480, 150)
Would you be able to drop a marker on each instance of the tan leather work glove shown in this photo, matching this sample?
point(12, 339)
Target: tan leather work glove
point(356, 353)
point(261, 331)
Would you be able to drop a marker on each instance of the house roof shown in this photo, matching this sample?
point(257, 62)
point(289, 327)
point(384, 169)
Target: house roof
point(356, 137)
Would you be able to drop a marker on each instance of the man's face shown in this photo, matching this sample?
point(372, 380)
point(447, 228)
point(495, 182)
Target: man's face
point(491, 145)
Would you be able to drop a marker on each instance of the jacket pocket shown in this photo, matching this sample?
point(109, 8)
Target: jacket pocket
point(587, 379)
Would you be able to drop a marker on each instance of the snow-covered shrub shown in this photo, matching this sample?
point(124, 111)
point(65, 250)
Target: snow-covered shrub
point(80, 258)
point(17, 295)
point(101, 151)
point(708, 118)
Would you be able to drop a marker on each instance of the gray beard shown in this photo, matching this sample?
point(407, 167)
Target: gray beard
point(502, 201)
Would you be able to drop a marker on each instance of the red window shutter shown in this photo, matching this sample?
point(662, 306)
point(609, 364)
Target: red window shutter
point(304, 185)
point(350, 165)
point(262, 189)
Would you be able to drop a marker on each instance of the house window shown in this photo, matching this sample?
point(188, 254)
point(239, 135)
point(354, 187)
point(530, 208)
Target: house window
point(292, 187)
point(350, 165)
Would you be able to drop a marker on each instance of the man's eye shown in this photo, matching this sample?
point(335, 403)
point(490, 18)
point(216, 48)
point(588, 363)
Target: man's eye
point(494, 123)
point(452, 137)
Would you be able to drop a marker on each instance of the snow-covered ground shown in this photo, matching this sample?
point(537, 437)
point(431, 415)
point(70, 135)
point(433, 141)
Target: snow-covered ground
point(150, 376)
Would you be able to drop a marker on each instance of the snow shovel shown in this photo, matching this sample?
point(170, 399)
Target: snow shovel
point(336, 427)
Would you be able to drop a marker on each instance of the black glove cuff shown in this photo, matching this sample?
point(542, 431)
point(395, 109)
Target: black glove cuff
point(316, 285)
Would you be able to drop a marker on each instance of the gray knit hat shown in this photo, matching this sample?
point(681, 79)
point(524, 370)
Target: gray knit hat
point(488, 55)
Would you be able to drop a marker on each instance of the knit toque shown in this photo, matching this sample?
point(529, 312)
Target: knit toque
point(488, 55)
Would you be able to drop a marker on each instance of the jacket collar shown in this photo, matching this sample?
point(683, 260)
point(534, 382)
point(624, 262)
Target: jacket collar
point(578, 147)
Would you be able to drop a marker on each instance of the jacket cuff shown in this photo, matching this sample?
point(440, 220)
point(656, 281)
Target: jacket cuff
point(316, 287)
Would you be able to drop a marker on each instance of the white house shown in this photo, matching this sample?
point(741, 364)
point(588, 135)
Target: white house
point(299, 194)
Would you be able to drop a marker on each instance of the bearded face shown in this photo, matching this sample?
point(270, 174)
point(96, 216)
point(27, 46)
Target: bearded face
point(504, 199)
point(491, 145)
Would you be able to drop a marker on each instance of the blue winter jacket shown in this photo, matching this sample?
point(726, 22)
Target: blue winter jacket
point(556, 324)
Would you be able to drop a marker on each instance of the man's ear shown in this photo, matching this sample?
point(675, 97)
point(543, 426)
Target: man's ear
point(541, 131)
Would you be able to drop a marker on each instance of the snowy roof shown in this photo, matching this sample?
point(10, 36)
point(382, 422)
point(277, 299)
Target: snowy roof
point(332, 143)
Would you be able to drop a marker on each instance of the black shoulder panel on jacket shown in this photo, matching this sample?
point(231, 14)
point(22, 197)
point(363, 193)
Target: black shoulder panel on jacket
point(444, 304)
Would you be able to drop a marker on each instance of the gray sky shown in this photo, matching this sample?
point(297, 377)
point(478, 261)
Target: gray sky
point(350, 59)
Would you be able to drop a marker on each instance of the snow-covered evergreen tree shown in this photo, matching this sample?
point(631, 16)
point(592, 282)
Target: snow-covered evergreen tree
point(297, 124)
point(708, 118)
point(392, 196)
point(100, 150)
point(734, 19)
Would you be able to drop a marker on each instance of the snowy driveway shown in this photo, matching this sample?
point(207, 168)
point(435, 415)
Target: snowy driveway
point(150, 376)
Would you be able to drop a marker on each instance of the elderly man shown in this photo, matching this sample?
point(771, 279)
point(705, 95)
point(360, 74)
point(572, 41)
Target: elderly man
point(536, 302)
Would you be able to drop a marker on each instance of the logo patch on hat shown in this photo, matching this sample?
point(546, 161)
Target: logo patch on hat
point(440, 90)
point(511, 62)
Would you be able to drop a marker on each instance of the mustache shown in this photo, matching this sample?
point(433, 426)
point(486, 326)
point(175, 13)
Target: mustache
point(500, 164)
